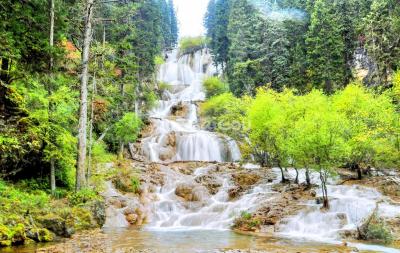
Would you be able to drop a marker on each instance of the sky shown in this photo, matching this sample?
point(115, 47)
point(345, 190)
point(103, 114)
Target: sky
point(190, 16)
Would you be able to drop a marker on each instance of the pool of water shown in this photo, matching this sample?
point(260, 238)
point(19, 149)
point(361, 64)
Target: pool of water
point(207, 241)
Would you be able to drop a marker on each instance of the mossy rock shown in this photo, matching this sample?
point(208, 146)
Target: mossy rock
point(18, 234)
point(5, 236)
point(82, 218)
point(40, 235)
point(54, 223)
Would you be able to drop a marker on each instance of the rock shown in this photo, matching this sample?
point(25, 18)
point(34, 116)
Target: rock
point(245, 179)
point(131, 218)
point(115, 203)
point(190, 192)
point(210, 182)
point(235, 192)
point(98, 209)
point(5, 236)
point(54, 223)
point(40, 235)
point(19, 235)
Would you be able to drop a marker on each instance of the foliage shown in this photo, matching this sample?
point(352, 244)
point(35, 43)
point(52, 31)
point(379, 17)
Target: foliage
point(214, 86)
point(302, 44)
point(246, 222)
point(83, 196)
point(226, 114)
point(127, 128)
point(188, 44)
point(377, 230)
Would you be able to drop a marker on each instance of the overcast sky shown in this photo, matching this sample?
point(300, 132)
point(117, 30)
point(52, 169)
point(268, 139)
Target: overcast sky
point(190, 16)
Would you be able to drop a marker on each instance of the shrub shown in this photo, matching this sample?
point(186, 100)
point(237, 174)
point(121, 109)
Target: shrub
point(214, 86)
point(83, 196)
point(188, 44)
point(377, 230)
point(135, 184)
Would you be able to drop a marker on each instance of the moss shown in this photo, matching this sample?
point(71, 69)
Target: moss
point(82, 218)
point(246, 222)
point(5, 236)
point(18, 234)
point(44, 235)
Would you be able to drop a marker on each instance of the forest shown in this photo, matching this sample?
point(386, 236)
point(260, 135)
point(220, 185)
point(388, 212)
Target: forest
point(110, 118)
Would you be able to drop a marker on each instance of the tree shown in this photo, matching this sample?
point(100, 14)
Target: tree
point(127, 130)
point(82, 138)
point(381, 27)
point(173, 24)
point(319, 138)
point(269, 126)
point(325, 48)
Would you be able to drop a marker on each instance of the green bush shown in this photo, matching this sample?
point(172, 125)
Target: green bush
point(83, 196)
point(135, 184)
point(214, 86)
point(192, 43)
point(378, 231)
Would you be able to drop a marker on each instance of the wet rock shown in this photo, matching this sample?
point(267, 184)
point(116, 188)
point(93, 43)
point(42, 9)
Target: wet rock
point(40, 235)
point(245, 179)
point(131, 218)
point(179, 110)
point(98, 210)
point(54, 223)
point(210, 182)
point(190, 192)
point(235, 192)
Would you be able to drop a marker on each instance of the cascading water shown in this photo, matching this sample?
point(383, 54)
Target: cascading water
point(179, 137)
point(183, 202)
point(215, 211)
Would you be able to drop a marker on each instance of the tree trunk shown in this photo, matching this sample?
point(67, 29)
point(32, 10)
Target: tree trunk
point(51, 41)
point(121, 150)
point(82, 141)
point(308, 180)
point(52, 176)
point(323, 178)
point(5, 65)
point(49, 91)
point(296, 181)
point(89, 168)
point(359, 172)
point(282, 174)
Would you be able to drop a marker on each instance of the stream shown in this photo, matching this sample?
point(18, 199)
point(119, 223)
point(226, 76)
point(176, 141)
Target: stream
point(202, 224)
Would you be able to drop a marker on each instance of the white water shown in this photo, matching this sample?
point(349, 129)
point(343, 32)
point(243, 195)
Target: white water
point(215, 212)
point(185, 75)
point(180, 138)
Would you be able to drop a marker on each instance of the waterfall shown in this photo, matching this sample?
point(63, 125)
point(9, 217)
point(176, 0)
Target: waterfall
point(179, 137)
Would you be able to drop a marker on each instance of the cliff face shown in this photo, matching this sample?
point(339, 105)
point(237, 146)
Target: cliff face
point(364, 68)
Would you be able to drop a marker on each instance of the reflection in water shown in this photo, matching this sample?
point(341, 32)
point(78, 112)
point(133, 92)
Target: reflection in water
point(205, 241)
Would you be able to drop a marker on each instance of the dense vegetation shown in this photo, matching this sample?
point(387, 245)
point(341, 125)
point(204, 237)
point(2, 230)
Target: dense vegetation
point(303, 44)
point(40, 82)
point(355, 128)
point(70, 69)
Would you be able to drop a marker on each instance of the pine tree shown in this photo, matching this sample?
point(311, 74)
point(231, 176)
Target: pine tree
point(173, 24)
point(382, 29)
point(325, 48)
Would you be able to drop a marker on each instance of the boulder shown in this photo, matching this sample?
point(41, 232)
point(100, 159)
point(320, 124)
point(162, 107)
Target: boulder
point(245, 179)
point(54, 223)
point(210, 182)
point(131, 218)
point(190, 192)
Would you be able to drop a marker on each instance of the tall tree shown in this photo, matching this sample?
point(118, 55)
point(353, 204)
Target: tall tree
point(82, 137)
point(173, 24)
point(382, 26)
point(325, 48)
